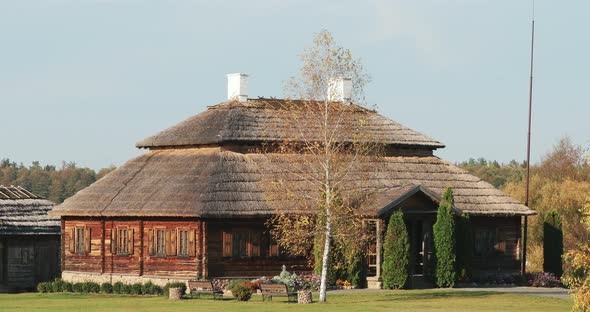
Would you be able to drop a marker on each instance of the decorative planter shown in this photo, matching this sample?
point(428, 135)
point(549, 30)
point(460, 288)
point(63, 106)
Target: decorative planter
point(304, 297)
point(175, 293)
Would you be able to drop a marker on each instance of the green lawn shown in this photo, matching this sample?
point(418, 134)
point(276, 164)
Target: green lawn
point(409, 300)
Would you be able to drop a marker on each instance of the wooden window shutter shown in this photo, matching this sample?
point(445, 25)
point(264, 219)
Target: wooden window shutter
point(171, 242)
point(177, 241)
point(87, 240)
point(130, 241)
point(151, 242)
point(72, 241)
point(227, 244)
point(191, 243)
point(114, 241)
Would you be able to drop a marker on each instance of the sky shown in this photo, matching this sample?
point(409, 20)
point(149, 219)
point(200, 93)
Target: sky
point(85, 80)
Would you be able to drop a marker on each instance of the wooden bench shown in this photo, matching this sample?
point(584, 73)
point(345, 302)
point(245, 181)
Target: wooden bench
point(270, 290)
point(203, 287)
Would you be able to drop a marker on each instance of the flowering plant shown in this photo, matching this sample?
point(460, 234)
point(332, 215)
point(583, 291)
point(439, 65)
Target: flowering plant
point(543, 279)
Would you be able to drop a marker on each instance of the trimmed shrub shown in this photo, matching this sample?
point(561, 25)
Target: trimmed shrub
point(68, 287)
point(106, 288)
point(44, 287)
point(90, 287)
point(396, 255)
point(126, 289)
point(356, 272)
point(444, 242)
point(78, 287)
point(57, 285)
point(464, 248)
point(150, 288)
point(173, 285)
point(118, 288)
point(242, 292)
point(136, 289)
point(552, 244)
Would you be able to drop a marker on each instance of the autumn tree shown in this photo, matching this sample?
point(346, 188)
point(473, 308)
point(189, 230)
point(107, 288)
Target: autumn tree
point(318, 174)
point(578, 277)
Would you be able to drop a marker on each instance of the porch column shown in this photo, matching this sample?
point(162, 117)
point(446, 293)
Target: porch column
point(524, 243)
point(379, 246)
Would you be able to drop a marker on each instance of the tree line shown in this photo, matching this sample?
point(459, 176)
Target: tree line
point(48, 181)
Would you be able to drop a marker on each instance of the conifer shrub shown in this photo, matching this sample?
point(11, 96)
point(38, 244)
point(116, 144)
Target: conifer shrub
point(552, 244)
point(444, 242)
point(118, 287)
point(396, 253)
point(78, 287)
point(106, 288)
point(68, 287)
point(136, 289)
point(57, 285)
point(126, 289)
point(150, 288)
point(44, 287)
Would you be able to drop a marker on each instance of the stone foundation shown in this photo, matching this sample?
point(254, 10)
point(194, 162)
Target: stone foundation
point(80, 277)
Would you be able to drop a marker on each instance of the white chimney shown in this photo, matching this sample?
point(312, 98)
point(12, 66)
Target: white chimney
point(237, 87)
point(340, 89)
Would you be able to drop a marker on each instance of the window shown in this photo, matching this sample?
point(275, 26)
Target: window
point(241, 244)
point(160, 242)
point(183, 243)
point(488, 243)
point(79, 240)
point(122, 241)
point(171, 242)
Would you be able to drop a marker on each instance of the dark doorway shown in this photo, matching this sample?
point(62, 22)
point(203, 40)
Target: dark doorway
point(420, 237)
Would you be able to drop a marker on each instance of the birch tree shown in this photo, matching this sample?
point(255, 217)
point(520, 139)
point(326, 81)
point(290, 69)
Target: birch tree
point(318, 174)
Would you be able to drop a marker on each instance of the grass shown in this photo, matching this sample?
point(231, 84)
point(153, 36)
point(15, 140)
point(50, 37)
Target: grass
point(408, 300)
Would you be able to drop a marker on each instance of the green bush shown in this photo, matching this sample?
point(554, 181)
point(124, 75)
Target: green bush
point(552, 244)
point(235, 282)
point(90, 287)
point(126, 289)
point(136, 289)
point(174, 285)
point(44, 287)
point(78, 287)
point(106, 288)
point(118, 288)
point(396, 255)
point(150, 288)
point(444, 242)
point(57, 285)
point(68, 287)
point(242, 292)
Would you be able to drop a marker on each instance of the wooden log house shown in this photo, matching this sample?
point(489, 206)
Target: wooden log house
point(29, 240)
point(192, 206)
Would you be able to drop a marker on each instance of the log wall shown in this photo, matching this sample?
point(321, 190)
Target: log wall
point(103, 256)
point(507, 244)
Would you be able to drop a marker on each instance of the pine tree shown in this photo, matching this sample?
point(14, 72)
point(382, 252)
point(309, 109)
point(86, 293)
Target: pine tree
point(552, 244)
point(396, 253)
point(444, 242)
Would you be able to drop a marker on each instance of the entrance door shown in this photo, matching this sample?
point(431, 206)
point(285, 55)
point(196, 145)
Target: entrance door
point(420, 236)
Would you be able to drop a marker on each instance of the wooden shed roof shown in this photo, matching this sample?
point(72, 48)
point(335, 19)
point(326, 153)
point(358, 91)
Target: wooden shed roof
point(257, 120)
point(213, 182)
point(25, 213)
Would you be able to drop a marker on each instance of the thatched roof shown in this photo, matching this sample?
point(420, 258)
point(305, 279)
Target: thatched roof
point(257, 120)
point(213, 182)
point(24, 213)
